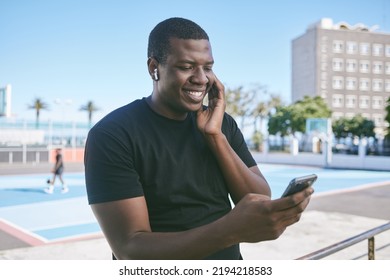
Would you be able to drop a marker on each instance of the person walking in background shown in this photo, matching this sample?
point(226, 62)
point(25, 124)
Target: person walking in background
point(57, 171)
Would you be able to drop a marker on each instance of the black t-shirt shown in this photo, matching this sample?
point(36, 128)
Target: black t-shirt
point(134, 151)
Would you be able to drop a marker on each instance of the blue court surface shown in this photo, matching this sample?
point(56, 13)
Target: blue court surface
point(27, 211)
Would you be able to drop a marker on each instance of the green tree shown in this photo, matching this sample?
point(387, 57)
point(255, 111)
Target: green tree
point(366, 127)
point(38, 104)
point(353, 127)
point(263, 105)
point(341, 128)
point(273, 103)
point(387, 117)
point(280, 121)
point(308, 107)
point(90, 107)
point(291, 119)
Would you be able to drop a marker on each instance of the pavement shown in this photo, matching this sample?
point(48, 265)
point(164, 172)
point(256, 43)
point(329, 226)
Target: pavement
point(330, 218)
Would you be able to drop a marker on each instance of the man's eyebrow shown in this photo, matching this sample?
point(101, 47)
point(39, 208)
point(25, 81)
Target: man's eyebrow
point(193, 62)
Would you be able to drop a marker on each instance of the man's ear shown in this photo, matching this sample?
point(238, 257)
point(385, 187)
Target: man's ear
point(152, 66)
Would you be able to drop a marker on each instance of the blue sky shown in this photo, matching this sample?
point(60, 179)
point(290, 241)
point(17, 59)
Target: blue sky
point(78, 51)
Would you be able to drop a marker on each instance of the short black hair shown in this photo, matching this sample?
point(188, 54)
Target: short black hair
point(180, 28)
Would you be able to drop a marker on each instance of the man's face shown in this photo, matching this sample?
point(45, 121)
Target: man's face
point(185, 77)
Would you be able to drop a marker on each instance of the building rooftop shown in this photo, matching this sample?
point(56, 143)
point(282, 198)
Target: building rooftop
point(327, 23)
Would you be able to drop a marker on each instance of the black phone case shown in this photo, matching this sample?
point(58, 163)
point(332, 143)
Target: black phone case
point(299, 183)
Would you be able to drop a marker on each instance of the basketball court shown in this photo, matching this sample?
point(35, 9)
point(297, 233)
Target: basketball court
point(30, 217)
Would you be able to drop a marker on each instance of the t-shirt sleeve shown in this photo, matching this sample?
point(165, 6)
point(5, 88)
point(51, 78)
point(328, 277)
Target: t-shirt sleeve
point(109, 171)
point(237, 141)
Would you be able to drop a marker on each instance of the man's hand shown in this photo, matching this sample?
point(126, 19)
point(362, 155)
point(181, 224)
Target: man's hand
point(210, 120)
point(257, 218)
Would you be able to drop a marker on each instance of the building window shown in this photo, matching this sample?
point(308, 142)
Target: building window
point(377, 84)
point(364, 84)
point(364, 66)
point(387, 68)
point(377, 67)
point(350, 101)
point(387, 85)
point(350, 115)
point(364, 48)
point(378, 119)
point(338, 82)
point(352, 47)
point(387, 50)
point(324, 48)
point(338, 46)
point(350, 83)
point(337, 100)
point(351, 65)
point(337, 115)
point(377, 49)
point(364, 102)
point(338, 64)
point(377, 102)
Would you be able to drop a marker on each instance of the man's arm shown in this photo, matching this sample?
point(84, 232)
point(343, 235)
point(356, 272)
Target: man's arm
point(241, 180)
point(255, 218)
point(125, 224)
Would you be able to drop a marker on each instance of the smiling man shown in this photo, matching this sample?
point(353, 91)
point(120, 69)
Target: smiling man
point(160, 170)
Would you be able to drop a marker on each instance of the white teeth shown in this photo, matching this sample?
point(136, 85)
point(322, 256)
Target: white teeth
point(195, 93)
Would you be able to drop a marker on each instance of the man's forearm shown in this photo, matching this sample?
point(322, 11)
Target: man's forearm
point(240, 179)
point(196, 243)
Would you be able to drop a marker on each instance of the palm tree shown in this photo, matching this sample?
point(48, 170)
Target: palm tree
point(90, 107)
point(38, 105)
point(260, 112)
point(387, 118)
point(263, 109)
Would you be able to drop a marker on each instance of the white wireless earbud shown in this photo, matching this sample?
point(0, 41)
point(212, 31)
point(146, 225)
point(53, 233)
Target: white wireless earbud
point(155, 74)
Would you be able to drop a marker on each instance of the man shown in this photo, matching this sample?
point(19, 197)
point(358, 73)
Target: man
point(57, 172)
point(159, 171)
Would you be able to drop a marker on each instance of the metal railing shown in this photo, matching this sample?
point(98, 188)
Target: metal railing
point(368, 235)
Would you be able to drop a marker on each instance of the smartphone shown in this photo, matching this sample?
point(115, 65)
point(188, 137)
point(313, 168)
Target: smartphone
point(213, 91)
point(299, 183)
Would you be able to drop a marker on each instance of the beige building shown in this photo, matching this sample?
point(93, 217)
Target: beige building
point(347, 65)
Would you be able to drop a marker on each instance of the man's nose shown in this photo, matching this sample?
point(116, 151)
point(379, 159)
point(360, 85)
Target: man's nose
point(199, 77)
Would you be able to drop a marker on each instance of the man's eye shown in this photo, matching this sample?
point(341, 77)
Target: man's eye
point(186, 68)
